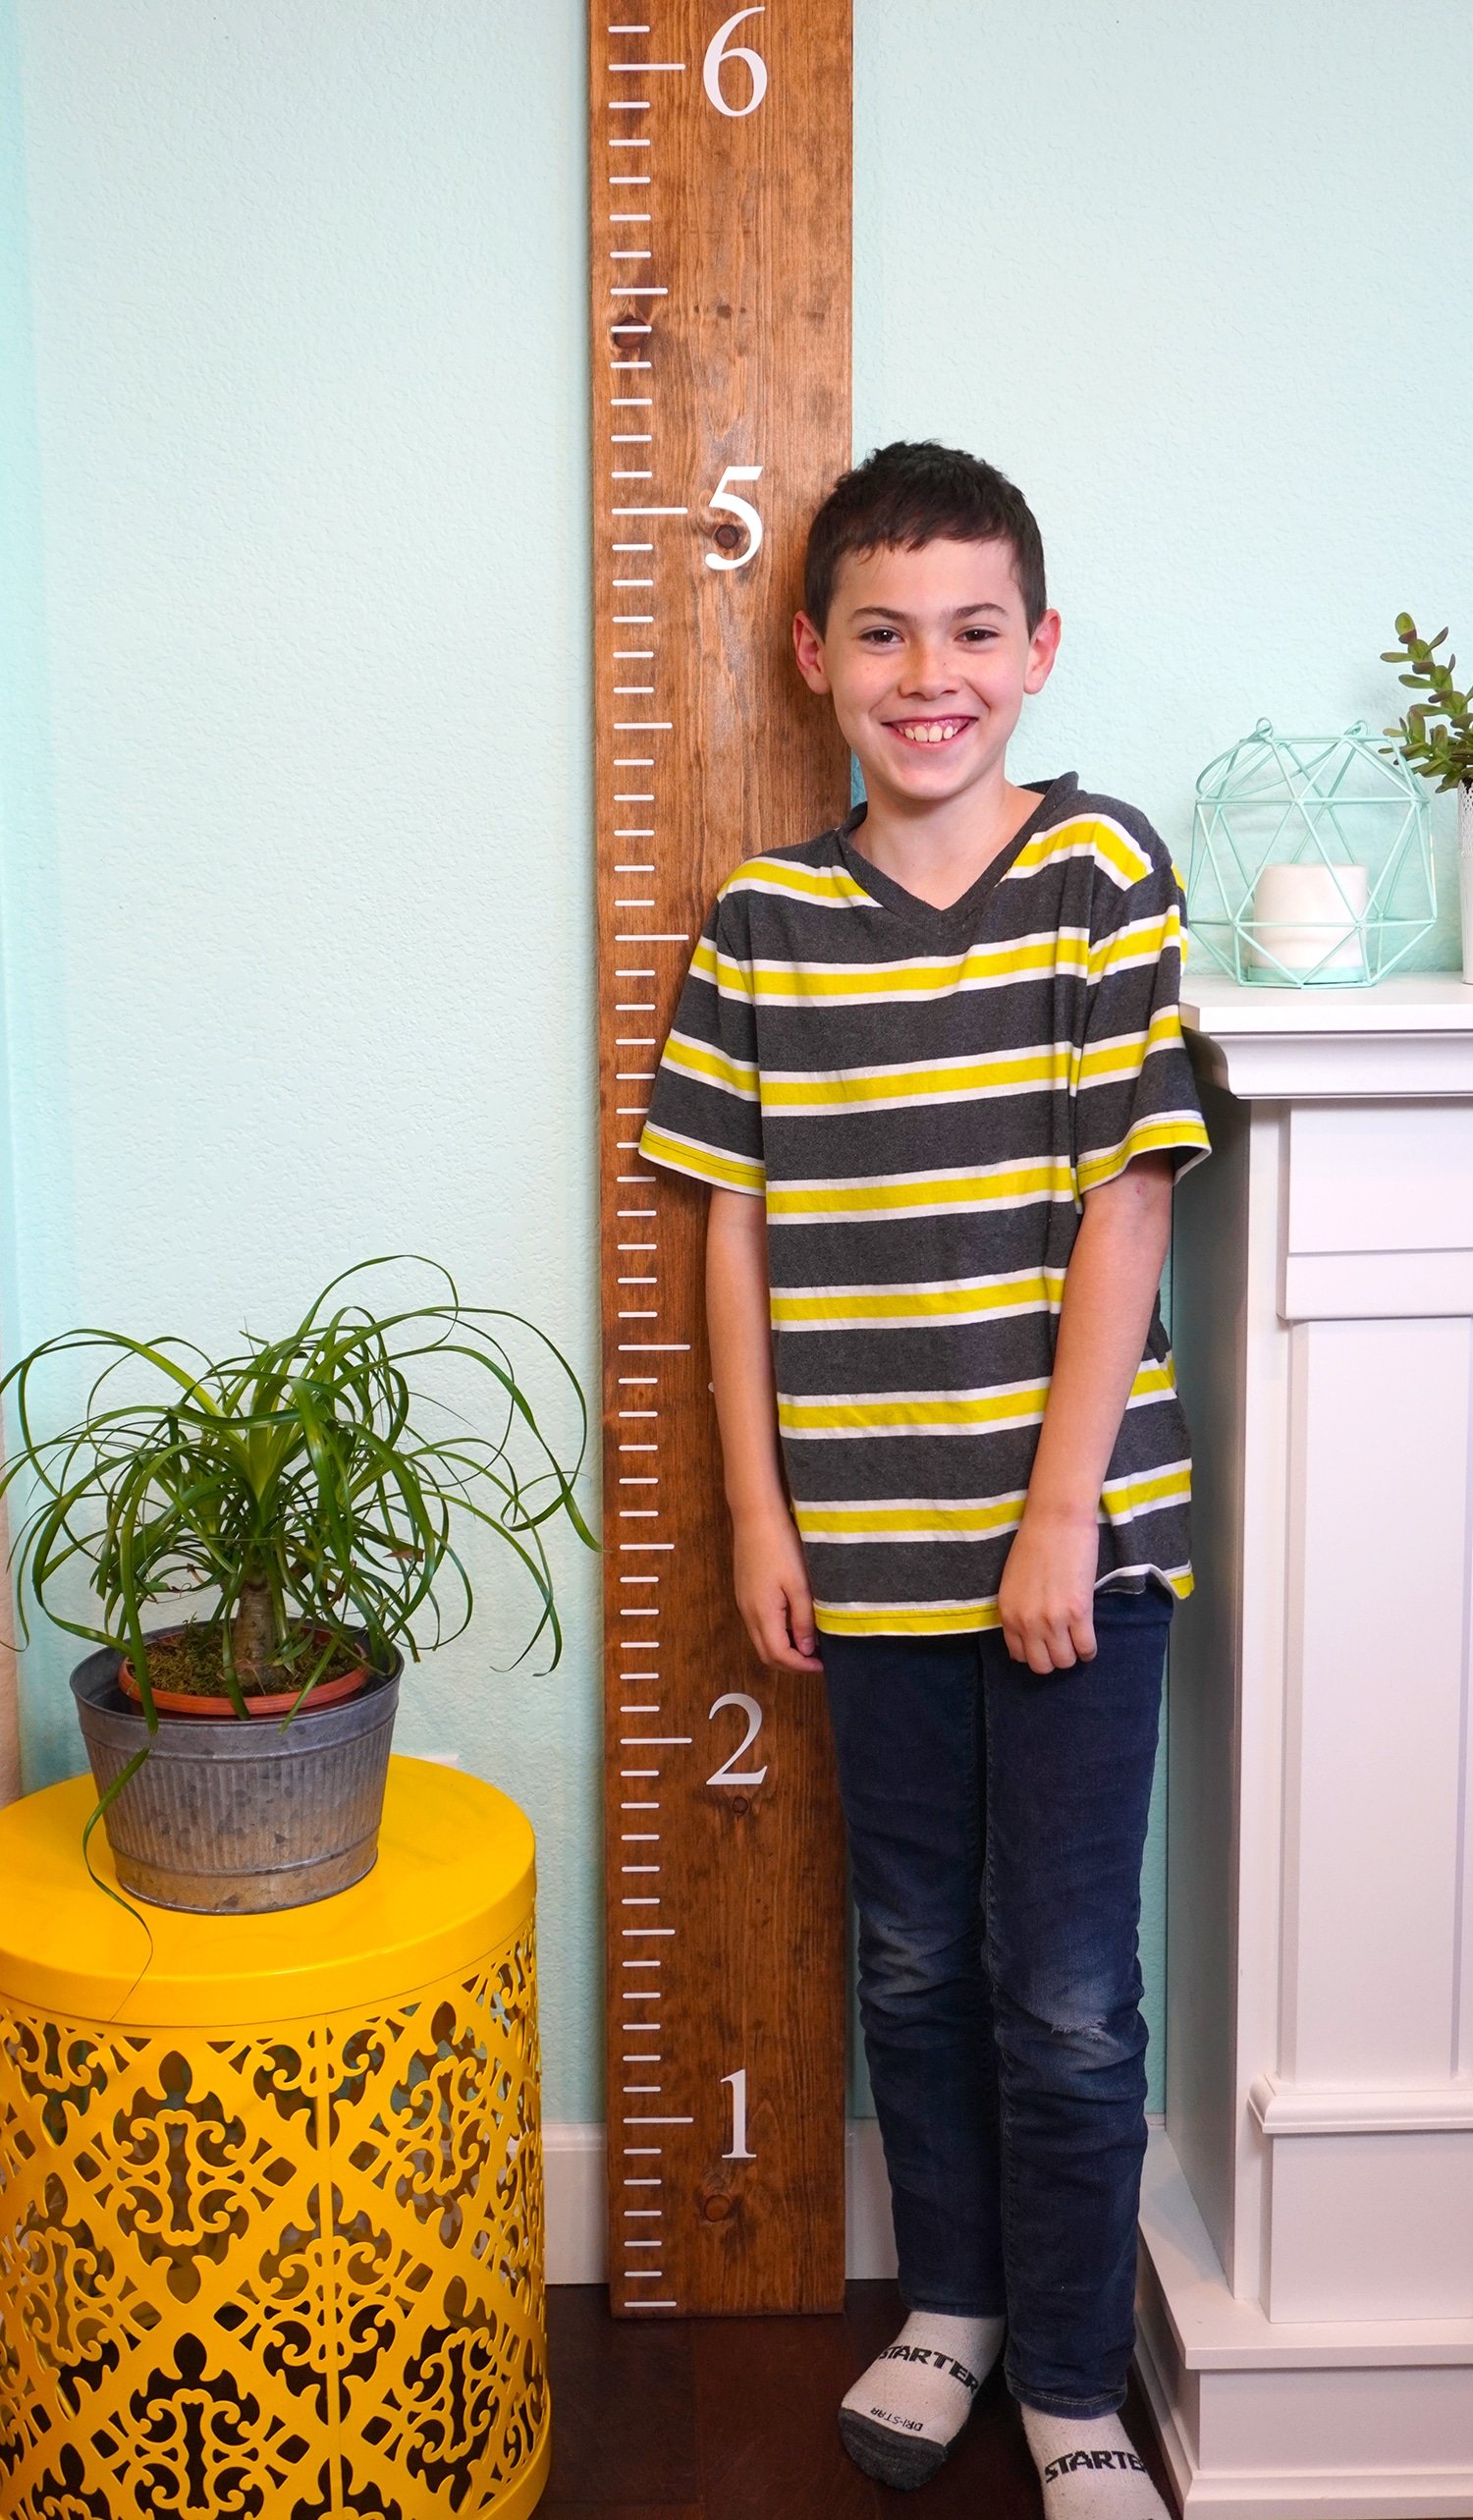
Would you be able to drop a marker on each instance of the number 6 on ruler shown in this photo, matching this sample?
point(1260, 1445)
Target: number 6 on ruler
point(721, 497)
point(727, 1773)
point(717, 53)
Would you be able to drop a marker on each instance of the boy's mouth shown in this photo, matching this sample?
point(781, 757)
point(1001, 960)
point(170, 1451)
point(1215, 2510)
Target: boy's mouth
point(930, 732)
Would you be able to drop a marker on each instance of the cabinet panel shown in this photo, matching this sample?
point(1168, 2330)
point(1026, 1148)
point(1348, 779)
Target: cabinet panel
point(1378, 1544)
point(1381, 1176)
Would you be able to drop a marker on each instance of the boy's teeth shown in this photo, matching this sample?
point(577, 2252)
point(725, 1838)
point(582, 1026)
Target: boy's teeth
point(931, 730)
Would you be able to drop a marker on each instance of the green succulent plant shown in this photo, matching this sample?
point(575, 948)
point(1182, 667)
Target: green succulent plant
point(1441, 752)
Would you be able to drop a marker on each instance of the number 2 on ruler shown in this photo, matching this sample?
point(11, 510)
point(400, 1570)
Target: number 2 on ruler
point(727, 1773)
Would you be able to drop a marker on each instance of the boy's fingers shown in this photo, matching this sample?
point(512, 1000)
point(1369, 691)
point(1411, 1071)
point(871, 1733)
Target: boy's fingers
point(767, 1627)
point(800, 1620)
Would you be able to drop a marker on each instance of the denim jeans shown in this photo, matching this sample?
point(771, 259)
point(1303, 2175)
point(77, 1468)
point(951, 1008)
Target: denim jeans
point(996, 1821)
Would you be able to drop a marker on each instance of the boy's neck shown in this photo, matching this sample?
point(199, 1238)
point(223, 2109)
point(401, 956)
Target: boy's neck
point(937, 849)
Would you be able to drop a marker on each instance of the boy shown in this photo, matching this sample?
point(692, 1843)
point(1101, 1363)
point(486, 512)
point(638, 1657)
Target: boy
point(932, 1065)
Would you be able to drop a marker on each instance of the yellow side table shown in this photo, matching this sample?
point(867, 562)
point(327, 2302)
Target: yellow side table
point(271, 2197)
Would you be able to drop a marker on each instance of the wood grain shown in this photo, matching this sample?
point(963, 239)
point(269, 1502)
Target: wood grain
point(708, 748)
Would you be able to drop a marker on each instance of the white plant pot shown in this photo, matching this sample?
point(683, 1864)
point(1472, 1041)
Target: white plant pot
point(1465, 871)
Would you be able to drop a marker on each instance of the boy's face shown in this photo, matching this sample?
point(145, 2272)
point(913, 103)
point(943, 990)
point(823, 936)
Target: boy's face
point(927, 657)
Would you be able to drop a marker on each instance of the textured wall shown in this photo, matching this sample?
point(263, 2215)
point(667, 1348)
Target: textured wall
point(296, 882)
point(293, 777)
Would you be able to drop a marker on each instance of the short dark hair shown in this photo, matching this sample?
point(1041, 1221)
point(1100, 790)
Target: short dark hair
point(915, 492)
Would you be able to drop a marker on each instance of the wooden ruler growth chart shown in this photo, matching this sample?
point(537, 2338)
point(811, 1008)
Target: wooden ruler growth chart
point(719, 153)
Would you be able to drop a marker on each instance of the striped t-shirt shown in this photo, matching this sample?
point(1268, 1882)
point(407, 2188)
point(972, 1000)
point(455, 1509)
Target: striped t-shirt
point(922, 1096)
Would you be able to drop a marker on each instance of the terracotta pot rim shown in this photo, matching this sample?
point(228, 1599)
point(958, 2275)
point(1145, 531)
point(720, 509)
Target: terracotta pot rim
point(185, 1702)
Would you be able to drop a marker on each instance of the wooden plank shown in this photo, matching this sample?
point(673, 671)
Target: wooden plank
point(721, 338)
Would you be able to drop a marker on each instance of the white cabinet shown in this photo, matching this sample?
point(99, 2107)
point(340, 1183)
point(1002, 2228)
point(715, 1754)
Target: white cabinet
point(1306, 2303)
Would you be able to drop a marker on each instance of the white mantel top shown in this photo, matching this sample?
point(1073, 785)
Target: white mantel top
point(1403, 1037)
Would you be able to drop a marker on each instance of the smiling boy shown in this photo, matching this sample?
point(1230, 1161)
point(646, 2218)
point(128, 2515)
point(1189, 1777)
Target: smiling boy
point(931, 1063)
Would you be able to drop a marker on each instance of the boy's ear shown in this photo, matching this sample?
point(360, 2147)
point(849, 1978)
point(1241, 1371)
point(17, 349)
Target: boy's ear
point(808, 649)
point(1043, 647)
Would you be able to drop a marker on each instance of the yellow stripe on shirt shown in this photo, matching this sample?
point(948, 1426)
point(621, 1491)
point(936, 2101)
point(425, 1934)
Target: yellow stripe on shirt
point(918, 1305)
point(832, 1416)
point(935, 1193)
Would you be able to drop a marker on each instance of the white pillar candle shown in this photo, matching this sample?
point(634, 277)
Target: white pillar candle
point(1304, 920)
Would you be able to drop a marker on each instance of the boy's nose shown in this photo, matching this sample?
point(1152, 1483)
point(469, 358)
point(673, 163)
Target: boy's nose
point(925, 674)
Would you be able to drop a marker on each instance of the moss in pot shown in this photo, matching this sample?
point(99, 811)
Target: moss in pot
point(308, 1493)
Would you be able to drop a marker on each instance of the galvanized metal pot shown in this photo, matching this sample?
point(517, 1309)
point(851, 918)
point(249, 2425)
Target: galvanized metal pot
point(229, 1818)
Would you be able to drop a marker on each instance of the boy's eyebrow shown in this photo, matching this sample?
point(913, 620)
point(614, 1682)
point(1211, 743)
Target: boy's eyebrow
point(884, 612)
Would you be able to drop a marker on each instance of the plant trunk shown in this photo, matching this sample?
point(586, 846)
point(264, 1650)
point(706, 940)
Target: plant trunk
point(254, 1632)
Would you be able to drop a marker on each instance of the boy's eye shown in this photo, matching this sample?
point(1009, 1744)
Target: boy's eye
point(882, 635)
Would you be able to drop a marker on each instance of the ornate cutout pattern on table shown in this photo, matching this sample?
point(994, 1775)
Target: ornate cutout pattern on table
point(289, 2275)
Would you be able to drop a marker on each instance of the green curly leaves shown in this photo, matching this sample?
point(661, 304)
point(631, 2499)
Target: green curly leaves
point(310, 1469)
point(1444, 753)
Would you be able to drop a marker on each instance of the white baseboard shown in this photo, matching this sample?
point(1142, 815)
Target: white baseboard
point(577, 2232)
point(574, 2167)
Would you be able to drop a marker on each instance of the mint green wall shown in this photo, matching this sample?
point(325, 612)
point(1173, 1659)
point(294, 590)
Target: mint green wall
point(297, 894)
point(294, 899)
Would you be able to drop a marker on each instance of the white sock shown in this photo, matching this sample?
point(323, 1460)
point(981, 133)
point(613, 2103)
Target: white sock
point(1088, 2468)
point(902, 2417)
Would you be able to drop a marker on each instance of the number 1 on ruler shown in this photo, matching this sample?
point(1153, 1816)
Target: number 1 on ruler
point(740, 2150)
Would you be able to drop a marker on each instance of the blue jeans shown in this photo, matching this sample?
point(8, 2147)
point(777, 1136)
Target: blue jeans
point(996, 1821)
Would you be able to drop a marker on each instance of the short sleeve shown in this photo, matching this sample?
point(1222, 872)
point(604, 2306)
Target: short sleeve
point(1134, 1092)
point(705, 1111)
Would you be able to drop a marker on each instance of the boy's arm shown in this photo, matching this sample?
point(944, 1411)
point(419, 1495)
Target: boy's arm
point(1046, 1597)
point(771, 1577)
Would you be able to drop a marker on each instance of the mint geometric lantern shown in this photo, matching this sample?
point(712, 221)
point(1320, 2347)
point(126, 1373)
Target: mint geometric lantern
point(1311, 860)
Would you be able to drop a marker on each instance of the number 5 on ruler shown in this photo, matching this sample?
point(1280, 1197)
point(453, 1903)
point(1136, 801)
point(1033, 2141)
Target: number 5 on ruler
point(721, 497)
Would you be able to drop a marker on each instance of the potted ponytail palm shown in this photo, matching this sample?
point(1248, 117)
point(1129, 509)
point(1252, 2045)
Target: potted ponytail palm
point(307, 1495)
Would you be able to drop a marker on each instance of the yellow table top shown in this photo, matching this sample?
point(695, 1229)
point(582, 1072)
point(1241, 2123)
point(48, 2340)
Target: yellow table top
point(455, 1877)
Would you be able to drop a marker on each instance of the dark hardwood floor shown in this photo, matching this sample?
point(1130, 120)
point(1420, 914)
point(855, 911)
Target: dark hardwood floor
point(733, 2419)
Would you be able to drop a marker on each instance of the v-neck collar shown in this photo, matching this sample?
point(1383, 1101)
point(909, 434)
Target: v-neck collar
point(891, 896)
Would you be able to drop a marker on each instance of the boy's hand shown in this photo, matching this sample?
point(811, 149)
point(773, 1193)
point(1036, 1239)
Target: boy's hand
point(1046, 1597)
point(772, 1589)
